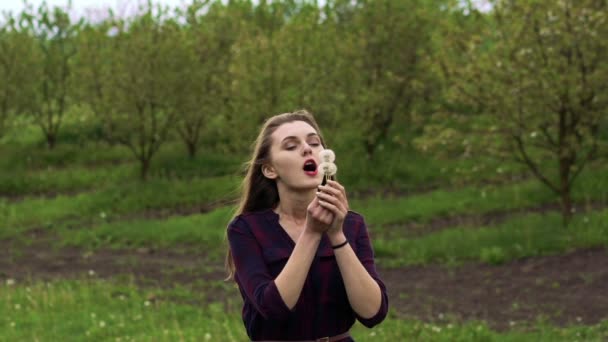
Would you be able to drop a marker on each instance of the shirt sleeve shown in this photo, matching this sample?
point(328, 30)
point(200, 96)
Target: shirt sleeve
point(365, 253)
point(252, 272)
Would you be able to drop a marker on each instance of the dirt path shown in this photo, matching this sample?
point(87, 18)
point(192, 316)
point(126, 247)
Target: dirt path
point(563, 289)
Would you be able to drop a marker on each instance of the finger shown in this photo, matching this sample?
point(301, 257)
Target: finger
point(333, 200)
point(331, 208)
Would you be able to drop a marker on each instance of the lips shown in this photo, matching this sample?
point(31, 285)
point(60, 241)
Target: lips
point(310, 167)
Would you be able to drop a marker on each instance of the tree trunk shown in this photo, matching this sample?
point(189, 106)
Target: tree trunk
point(191, 149)
point(51, 140)
point(566, 199)
point(145, 167)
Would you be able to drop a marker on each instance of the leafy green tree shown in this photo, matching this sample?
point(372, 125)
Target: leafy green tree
point(537, 73)
point(17, 53)
point(56, 36)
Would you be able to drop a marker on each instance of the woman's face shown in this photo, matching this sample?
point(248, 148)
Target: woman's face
point(294, 156)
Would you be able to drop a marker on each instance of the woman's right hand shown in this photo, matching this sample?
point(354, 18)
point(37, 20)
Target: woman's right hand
point(318, 219)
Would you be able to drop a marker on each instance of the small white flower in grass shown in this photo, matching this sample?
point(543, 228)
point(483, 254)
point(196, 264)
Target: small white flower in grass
point(579, 319)
point(440, 316)
point(372, 334)
point(327, 156)
point(102, 324)
point(436, 329)
point(93, 315)
point(103, 215)
point(207, 336)
point(13, 324)
point(121, 297)
point(10, 282)
point(17, 306)
point(450, 326)
point(147, 303)
point(329, 169)
point(512, 323)
point(91, 273)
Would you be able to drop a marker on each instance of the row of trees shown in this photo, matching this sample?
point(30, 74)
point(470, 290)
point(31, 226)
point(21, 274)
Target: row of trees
point(531, 72)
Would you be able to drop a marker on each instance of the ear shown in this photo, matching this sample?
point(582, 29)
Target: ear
point(269, 171)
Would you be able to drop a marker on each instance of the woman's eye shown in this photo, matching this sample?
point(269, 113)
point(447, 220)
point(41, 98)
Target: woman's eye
point(291, 147)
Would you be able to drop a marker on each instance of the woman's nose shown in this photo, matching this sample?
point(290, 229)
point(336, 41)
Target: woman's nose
point(306, 149)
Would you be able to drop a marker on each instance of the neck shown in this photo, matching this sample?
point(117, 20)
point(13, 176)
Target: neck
point(292, 205)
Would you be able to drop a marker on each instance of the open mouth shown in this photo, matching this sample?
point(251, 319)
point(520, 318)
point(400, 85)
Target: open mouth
point(310, 167)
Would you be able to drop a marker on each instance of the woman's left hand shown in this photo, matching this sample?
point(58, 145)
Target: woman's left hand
point(332, 196)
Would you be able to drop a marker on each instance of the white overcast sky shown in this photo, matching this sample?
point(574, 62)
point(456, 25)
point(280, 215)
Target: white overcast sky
point(95, 8)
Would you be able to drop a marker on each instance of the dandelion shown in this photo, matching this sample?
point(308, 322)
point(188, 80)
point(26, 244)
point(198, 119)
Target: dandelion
point(102, 324)
point(13, 324)
point(440, 316)
point(17, 306)
point(91, 273)
point(328, 169)
point(103, 215)
point(327, 156)
point(579, 319)
point(147, 303)
point(533, 135)
point(372, 334)
point(512, 323)
point(121, 297)
point(207, 336)
point(436, 329)
point(93, 315)
point(10, 282)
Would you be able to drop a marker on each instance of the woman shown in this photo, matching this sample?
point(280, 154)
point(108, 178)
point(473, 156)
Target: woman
point(303, 262)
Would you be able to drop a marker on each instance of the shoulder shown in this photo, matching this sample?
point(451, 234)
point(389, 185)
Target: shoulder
point(247, 220)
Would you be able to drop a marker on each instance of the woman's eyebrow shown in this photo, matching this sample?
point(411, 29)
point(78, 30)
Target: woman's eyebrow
point(294, 137)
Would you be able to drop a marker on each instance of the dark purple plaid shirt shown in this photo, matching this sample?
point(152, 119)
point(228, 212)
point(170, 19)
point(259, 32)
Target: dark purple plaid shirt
point(260, 248)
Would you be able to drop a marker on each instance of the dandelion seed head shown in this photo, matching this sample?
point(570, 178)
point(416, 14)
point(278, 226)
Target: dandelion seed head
point(10, 282)
point(372, 334)
point(91, 273)
point(102, 324)
point(327, 156)
point(147, 303)
point(328, 168)
point(207, 336)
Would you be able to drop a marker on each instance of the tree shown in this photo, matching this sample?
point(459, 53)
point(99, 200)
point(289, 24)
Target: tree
point(17, 53)
point(538, 73)
point(56, 37)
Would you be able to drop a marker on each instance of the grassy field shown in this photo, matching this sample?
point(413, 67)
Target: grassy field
point(82, 204)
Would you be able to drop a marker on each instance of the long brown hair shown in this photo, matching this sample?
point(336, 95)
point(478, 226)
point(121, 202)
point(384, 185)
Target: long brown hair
point(257, 191)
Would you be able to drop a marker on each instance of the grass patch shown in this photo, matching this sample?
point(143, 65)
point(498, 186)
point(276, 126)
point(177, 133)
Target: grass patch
point(100, 310)
point(378, 211)
point(523, 236)
point(103, 205)
point(205, 231)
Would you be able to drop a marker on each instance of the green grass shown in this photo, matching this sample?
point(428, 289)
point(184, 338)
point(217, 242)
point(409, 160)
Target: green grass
point(103, 205)
point(95, 310)
point(203, 231)
point(522, 236)
point(378, 211)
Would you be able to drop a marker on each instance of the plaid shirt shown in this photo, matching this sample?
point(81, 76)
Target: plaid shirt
point(260, 248)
